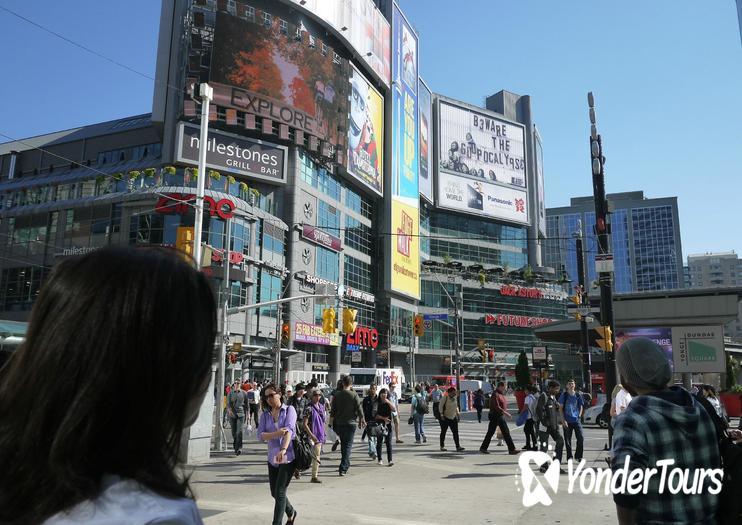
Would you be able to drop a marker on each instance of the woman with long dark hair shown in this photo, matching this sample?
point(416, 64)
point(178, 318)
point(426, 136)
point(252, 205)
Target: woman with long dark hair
point(115, 365)
point(384, 411)
point(277, 426)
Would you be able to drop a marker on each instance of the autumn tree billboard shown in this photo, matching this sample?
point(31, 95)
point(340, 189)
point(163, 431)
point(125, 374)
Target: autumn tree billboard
point(273, 64)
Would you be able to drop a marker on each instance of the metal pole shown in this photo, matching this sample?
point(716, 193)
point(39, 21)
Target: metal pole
point(459, 344)
point(585, 301)
point(207, 94)
point(220, 444)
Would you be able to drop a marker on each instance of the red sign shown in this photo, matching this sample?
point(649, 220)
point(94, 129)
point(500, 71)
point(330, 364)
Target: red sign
point(321, 237)
point(519, 321)
point(362, 338)
point(521, 291)
point(181, 203)
point(234, 257)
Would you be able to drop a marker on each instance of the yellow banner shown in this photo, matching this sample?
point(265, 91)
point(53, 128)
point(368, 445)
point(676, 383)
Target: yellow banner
point(405, 249)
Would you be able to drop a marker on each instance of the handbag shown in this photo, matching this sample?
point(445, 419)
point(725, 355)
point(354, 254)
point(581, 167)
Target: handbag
point(377, 430)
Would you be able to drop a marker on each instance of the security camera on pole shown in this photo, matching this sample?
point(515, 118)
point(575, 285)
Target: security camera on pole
point(604, 259)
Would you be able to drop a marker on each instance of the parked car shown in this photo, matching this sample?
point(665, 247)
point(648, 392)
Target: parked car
point(592, 416)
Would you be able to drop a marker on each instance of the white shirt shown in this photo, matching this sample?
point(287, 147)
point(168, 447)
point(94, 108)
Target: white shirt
point(623, 398)
point(126, 501)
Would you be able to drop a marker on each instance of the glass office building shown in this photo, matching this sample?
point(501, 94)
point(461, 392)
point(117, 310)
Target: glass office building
point(645, 241)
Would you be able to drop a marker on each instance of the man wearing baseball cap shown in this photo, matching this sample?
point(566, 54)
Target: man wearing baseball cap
point(661, 423)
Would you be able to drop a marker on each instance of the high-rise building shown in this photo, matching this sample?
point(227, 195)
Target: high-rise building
point(645, 241)
point(710, 270)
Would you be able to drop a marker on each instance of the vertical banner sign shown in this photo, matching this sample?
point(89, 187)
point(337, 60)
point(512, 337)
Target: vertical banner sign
point(365, 132)
point(425, 99)
point(405, 241)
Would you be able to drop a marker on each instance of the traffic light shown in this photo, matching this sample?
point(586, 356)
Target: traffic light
point(349, 320)
point(418, 325)
point(328, 321)
point(605, 342)
point(285, 334)
point(184, 240)
point(232, 358)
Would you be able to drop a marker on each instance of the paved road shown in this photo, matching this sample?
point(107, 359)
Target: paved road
point(424, 486)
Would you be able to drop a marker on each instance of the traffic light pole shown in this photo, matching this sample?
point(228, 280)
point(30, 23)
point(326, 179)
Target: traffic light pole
point(602, 231)
point(207, 93)
point(220, 370)
point(584, 301)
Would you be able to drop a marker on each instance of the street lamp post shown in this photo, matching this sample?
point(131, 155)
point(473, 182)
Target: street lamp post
point(207, 94)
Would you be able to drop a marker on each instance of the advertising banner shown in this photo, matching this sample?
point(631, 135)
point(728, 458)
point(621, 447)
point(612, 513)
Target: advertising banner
point(482, 198)
point(661, 336)
point(362, 25)
point(405, 202)
point(366, 133)
point(321, 237)
point(481, 146)
point(698, 349)
point(276, 66)
point(313, 334)
point(425, 100)
point(540, 195)
point(233, 154)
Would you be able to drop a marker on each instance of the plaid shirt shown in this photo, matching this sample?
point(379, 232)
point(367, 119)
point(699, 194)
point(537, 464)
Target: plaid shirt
point(667, 425)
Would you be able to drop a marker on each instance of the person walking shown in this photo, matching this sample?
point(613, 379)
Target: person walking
point(394, 399)
point(620, 399)
point(549, 425)
point(338, 388)
point(236, 410)
point(315, 416)
point(449, 410)
point(478, 403)
point(529, 428)
point(497, 414)
point(83, 439)
point(368, 405)
point(435, 396)
point(346, 409)
point(300, 403)
point(384, 417)
point(418, 409)
point(253, 402)
point(277, 426)
point(661, 423)
point(572, 406)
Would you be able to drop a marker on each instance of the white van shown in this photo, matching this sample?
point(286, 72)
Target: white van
point(363, 377)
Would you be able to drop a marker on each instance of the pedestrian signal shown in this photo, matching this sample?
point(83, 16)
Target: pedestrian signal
point(605, 342)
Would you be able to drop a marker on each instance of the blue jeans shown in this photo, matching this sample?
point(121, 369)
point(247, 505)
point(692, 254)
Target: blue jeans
point(371, 445)
point(345, 433)
point(575, 427)
point(419, 421)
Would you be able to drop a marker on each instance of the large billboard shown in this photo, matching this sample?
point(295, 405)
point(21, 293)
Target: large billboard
point(425, 100)
point(660, 335)
point(480, 197)
point(481, 146)
point(276, 65)
point(540, 195)
point(366, 133)
point(405, 202)
point(361, 25)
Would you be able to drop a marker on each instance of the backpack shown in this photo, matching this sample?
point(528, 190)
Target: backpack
point(729, 511)
point(421, 406)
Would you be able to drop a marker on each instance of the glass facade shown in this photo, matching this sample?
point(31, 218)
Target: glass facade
point(655, 254)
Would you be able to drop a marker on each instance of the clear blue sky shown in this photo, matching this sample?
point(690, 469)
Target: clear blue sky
point(667, 76)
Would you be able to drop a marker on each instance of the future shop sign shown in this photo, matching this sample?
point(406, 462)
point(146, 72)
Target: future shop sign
point(226, 152)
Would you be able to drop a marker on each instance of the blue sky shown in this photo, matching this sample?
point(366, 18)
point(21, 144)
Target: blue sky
point(667, 77)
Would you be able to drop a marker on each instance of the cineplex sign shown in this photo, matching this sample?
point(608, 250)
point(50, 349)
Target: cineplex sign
point(518, 321)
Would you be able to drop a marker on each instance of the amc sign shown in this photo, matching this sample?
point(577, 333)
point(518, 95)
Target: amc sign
point(363, 338)
point(181, 204)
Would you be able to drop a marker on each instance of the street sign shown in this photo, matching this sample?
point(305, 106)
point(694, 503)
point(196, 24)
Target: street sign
point(355, 357)
point(427, 324)
point(582, 309)
point(435, 317)
point(539, 355)
point(604, 263)
point(698, 349)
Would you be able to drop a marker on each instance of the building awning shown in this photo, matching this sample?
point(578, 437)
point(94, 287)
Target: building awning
point(566, 331)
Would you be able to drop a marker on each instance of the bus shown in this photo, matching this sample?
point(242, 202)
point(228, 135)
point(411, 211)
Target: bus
point(363, 377)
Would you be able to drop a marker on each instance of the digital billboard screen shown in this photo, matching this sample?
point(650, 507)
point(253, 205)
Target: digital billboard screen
point(479, 145)
point(425, 101)
point(275, 65)
point(366, 133)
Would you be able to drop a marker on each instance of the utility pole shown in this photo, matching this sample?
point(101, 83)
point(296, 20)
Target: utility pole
point(225, 321)
point(207, 94)
point(584, 301)
point(459, 303)
point(602, 231)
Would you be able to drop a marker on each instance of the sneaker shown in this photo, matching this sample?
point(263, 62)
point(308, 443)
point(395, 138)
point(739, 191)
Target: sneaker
point(417, 442)
point(315, 480)
point(425, 440)
point(341, 473)
point(400, 441)
point(460, 449)
point(484, 451)
point(391, 463)
point(444, 449)
point(380, 462)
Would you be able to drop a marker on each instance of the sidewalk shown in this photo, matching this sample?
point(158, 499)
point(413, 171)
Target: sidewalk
point(423, 486)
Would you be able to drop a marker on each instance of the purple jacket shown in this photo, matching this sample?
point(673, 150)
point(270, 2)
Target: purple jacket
point(286, 418)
